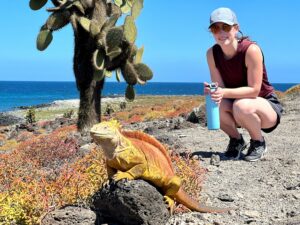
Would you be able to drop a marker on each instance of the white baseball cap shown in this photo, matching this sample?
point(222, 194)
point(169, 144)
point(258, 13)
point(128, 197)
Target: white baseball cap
point(223, 15)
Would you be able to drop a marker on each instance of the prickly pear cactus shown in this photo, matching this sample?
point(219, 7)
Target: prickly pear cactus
point(114, 46)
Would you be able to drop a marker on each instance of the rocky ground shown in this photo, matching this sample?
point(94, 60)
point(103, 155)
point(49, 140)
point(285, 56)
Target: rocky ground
point(266, 192)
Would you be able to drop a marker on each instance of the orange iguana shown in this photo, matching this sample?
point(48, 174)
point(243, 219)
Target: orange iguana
point(136, 155)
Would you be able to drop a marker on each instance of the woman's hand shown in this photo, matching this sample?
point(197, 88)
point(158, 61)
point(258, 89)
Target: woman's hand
point(216, 95)
point(206, 89)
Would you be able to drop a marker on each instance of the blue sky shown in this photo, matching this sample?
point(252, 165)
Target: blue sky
point(175, 37)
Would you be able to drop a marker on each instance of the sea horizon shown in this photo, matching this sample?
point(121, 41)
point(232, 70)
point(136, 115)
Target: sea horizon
point(16, 94)
point(110, 81)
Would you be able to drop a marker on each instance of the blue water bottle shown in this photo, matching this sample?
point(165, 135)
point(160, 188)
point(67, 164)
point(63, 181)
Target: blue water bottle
point(212, 110)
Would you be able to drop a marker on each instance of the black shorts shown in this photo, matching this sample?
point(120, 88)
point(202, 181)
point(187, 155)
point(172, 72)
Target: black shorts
point(276, 105)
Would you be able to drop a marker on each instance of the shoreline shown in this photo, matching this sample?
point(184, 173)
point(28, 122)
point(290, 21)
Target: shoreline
point(49, 104)
point(17, 115)
point(74, 101)
point(61, 104)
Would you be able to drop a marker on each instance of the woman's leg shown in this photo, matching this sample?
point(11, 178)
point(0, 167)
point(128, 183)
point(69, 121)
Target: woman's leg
point(229, 126)
point(254, 114)
point(227, 121)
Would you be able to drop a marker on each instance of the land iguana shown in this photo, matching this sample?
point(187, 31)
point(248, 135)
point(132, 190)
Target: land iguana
point(136, 155)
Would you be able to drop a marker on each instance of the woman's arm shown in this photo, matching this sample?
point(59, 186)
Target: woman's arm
point(215, 77)
point(214, 72)
point(254, 64)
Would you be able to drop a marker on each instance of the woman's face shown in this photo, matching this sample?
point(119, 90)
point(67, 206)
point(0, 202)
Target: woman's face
point(223, 33)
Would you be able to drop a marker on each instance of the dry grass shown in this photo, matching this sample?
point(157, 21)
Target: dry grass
point(44, 173)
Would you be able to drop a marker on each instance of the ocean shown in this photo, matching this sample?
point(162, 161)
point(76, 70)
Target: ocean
point(14, 94)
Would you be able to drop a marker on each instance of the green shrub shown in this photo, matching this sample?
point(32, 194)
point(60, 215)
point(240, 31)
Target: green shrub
point(30, 116)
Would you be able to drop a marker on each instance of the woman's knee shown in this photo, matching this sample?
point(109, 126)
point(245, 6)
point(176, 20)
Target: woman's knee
point(226, 112)
point(226, 106)
point(242, 107)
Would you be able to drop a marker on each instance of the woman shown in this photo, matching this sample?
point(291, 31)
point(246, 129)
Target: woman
point(244, 94)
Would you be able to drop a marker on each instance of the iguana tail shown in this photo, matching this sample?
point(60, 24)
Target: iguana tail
point(183, 198)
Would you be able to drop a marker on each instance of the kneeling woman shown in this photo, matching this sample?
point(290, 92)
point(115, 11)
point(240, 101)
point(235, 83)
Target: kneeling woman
point(245, 96)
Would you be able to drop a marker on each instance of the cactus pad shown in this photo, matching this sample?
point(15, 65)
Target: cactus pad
point(136, 8)
point(37, 4)
point(130, 2)
point(107, 73)
point(85, 23)
point(44, 39)
point(139, 55)
point(125, 8)
point(119, 2)
point(114, 53)
point(98, 75)
point(109, 23)
point(124, 5)
point(79, 6)
point(57, 20)
point(114, 38)
point(94, 28)
point(143, 71)
point(118, 75)
point(100, 42)
point(129, 73)
point(130, 93)
point(130, 29)
point(98, 60)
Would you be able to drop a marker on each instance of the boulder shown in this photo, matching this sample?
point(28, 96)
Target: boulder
point(133, 202)
point(197, 115)
point(70, 215)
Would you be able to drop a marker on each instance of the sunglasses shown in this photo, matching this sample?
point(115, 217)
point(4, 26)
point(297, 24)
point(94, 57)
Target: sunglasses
point(217, 28)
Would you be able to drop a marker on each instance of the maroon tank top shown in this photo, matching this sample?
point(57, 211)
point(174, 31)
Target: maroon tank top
point(234, 71)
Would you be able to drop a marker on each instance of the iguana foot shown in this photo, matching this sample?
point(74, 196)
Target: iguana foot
point(105, 184)
point(171, 204)
point(122, 175)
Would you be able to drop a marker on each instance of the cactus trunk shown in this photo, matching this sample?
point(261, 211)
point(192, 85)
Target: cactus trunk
point(90, 90)
point(90, 105)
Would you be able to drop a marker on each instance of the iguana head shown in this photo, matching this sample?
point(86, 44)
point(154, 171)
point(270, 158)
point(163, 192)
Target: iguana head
point(107, 134)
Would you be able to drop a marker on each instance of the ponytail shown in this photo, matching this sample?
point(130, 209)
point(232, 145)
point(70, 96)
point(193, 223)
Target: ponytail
point(241, 36)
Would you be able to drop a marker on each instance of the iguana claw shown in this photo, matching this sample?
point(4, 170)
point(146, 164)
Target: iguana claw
point(122, 175)
point(171, 204)
point(106, 184)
